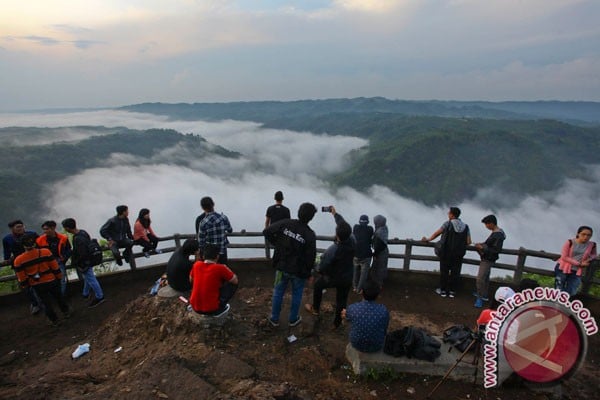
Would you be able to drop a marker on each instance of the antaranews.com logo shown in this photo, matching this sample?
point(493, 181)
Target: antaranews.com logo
point(539, 334)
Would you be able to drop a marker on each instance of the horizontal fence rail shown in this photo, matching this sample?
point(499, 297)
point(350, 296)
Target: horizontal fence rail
point(408, 258)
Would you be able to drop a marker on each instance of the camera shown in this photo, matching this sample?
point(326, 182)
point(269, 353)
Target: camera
point(326, 209)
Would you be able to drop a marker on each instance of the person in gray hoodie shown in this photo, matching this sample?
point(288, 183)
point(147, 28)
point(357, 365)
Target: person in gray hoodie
point(453, 245)
point(380, 250)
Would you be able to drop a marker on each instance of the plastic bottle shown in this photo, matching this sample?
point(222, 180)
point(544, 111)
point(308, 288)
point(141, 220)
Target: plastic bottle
point(81, 350)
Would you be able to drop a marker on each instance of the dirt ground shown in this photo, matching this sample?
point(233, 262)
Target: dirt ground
point(165, 354)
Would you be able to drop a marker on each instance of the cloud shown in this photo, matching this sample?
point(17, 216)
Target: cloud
point(243, 188)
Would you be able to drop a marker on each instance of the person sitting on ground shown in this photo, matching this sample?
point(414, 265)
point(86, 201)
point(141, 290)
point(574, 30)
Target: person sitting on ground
point(335, 270)
point(576, 255)
point(369, 320)
point(117, 231)
point(380, 250)
point(80, 259)
point(38, 268)
point(213, 285)
point(144, 235)
point(60, 247)
point(180, 265)
point(502, 294)
point(489, 252)
point(363, 237)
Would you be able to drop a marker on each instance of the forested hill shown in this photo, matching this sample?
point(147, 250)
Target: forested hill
point(273, 111)
point(28, 170)
point(436, 160)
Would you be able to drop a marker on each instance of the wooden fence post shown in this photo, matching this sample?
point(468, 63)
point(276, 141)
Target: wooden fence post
point(407, 255)
point(177, 238)
point(520, 266)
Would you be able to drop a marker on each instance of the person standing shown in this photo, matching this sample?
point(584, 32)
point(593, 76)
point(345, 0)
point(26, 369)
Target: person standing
point(455, 239)
point(575, 256)
point(213, 229)
point(213, 284)
point(277, 211)
point(12, 246)
point(80, 259)
point(60, 247)
point(144, 235)
point(335, 270)
point(296, 248)
point(489, 252)
point(117, 231)
point(363, 237)
point(380, 250)
point(38, 268)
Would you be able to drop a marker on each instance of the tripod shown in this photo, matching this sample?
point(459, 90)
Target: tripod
point(477, 341)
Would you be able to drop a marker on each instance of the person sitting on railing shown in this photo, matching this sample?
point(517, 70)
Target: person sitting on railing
point(576, 254)
point(369, 320)
point(489, 252)
point(117, 231)
point(380, 250)
point(144, 235)
point(180, 265)
point(213, 284)
point(213, 229)
point(335, 270)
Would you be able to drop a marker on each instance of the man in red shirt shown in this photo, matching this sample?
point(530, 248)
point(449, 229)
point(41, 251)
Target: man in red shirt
point(213, 285)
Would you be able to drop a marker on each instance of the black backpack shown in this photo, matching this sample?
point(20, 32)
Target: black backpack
point(459, 336)
point(94, 252)
point(452, 244)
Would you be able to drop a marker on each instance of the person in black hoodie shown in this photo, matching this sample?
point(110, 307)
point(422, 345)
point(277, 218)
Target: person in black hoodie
point(294, 258)
point(335, 270)
point(363, 236)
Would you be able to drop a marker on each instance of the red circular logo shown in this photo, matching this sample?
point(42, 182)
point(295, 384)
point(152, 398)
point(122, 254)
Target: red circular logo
point(541, 343)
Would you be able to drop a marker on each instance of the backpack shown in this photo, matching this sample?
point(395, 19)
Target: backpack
point(459, 336)
point(94, 252)
point(452, 244)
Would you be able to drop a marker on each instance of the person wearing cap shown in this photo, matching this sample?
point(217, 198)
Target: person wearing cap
point(335, 270)
point(277, 211)
point(489, 252)
point(296, 249)
point(363, 236)
point(37, 268)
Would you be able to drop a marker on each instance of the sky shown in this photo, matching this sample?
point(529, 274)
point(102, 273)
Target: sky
point(279, 160)
point(106, 53)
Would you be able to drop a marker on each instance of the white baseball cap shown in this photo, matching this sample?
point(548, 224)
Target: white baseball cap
point(503, 293)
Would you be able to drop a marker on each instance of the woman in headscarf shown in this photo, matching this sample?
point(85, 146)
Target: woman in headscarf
point(380, 250)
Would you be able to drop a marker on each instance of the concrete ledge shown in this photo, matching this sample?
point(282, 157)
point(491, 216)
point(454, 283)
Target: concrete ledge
point(464, 371)
point(207, 321)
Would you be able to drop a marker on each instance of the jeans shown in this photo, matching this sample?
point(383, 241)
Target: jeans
point(91, 282)
point(125, 243)
point(281, 282)
point(63, 281)
point(341, 296)
point(567, 282)
point(361, 272)
point(483, 278)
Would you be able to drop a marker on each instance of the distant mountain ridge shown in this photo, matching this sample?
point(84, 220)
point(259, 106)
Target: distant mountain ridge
point(577, 112)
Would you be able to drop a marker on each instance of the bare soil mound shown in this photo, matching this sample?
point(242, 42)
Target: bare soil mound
point(166, 354)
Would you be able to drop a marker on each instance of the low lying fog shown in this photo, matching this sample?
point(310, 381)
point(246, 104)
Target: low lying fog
point(281, 160)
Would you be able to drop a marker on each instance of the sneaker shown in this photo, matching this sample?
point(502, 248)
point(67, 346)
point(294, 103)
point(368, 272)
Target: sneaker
point(296, 322)
point(54, 324)
point(119, 261)
point(478, 303)
point(146, 254)
point(86, 296)
point(96, 302)
point(158, 251)
point(484, 298)
point(310, 309)
point(440, 292)
point(274, 324)
point(34, 310)
point(225, 311)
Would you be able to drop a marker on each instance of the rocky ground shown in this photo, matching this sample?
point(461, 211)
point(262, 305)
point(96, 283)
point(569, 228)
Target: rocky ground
point(165, 354)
